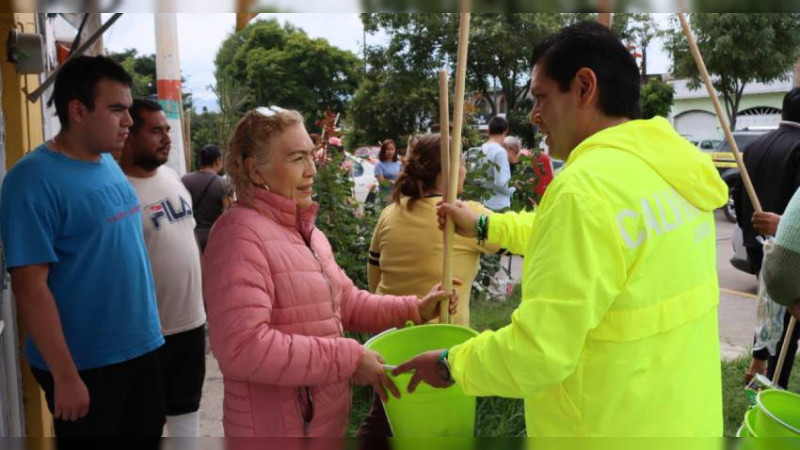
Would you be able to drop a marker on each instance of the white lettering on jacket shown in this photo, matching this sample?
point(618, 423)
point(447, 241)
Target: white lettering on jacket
point(660, 213)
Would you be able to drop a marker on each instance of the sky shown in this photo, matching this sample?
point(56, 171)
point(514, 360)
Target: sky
point(200, 36)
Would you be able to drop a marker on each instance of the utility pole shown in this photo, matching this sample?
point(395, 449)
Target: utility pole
point(168, 74)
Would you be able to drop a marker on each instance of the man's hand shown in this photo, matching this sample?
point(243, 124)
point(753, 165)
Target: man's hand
point(429, 306)
point(71, 398)
point(425, 369)
point(464, 219)
point(370, 372)
point(766, 223)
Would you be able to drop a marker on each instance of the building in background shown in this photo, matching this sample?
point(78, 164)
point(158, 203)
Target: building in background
point(693, 114)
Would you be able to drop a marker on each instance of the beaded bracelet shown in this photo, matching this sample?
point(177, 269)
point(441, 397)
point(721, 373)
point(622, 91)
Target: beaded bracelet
point(482, 228)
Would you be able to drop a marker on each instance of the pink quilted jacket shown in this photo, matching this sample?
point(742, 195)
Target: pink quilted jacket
point(278, 305)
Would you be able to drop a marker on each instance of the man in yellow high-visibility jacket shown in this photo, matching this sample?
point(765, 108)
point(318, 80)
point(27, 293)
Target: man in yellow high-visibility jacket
point(616, 334)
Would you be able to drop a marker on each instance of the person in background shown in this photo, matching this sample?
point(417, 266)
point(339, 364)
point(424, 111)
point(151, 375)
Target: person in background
point(495, 158)
point(72, 229)
point(773, 162)
point(211, 193)
point(279, 304)
point(513, 148)
point(782, 260)
point(388, 166)
point(543, 171)
point(168, 223)
point(402, 266)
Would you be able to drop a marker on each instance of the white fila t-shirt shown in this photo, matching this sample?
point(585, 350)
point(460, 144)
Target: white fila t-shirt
point(168, 222)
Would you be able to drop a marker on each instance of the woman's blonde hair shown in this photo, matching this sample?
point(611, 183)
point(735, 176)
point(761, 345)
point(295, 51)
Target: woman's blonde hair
point(253, 137)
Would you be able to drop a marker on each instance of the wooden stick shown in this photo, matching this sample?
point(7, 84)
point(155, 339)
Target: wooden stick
point(455, 154)
point(751, 192)
point(723, 120)
point(449, 229)
point(787, 338)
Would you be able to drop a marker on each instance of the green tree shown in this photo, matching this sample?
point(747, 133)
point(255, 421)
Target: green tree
point(216, 127)
point(143, 70)
point(282, 65)
point(393, 100)
point(738, 49)
point(501, 46)
point(657, 98)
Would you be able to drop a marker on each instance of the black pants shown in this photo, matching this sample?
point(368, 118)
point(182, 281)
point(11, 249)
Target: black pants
point(125, 400)
point(183, 368)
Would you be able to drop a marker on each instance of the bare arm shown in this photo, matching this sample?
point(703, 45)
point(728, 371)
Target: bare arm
point(40, 315)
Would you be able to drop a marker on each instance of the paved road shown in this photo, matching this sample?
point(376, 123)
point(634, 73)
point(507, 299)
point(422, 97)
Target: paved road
point(737, 310)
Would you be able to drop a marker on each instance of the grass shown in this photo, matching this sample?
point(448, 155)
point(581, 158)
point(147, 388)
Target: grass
point(734, 400)
point(500, 417)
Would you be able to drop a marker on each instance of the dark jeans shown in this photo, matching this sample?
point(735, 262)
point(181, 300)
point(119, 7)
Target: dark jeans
point(125, 400)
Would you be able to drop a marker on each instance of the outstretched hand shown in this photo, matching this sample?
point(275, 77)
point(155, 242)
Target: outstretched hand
point(425, 369)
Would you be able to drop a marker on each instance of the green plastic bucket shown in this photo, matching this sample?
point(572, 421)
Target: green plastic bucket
point(777, 414)
point(428, 411)
point(747, 427)
point(742, 432)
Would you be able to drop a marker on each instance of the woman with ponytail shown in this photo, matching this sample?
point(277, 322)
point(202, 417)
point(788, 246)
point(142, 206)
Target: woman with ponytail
point(278, 304)
point(406, 249)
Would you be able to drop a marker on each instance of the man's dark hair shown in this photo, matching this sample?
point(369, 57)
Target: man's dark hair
point(78, 80)
point(593, 46)
point(791, 106)
point(208, 155)
point(497, 125)
point(140, 104)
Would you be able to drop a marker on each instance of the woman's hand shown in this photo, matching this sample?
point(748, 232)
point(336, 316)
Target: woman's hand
point(464, 219)
point(429, 306)
point(370, 372)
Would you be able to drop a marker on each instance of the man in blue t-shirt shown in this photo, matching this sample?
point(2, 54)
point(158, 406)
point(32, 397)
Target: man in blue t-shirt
point(79, 268)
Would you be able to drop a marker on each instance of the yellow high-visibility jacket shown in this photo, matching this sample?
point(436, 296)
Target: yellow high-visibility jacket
point(616, 334)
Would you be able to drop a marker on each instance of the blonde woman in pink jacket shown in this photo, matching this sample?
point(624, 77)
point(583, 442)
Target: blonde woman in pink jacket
point(278, 303)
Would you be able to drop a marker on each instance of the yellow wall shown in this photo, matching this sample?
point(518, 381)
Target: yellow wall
point(24, 128)
point(24, 131)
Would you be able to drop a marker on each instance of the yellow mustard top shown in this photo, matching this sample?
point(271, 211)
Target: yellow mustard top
point(408, 246)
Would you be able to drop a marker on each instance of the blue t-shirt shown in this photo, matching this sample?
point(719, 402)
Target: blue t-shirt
point(84, 219)
point(389, 169)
